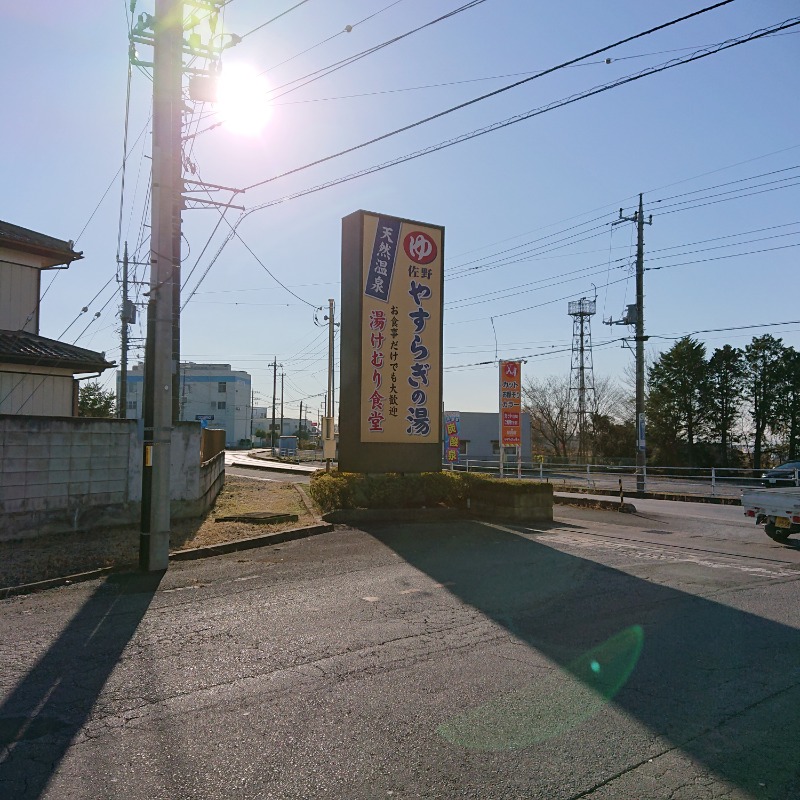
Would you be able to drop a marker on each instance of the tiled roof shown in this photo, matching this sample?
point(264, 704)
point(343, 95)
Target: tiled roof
point(20, 347)
point(19, 238)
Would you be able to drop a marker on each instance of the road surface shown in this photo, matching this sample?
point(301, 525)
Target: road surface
point(604, 656)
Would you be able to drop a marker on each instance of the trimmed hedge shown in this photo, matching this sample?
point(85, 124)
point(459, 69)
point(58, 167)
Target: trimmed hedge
point(346, 490)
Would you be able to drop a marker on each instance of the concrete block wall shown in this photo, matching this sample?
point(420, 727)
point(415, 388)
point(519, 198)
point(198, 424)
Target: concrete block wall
point(63, 467)
point(61, 474)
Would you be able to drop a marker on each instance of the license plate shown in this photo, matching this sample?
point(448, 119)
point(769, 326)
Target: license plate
point(783, 522)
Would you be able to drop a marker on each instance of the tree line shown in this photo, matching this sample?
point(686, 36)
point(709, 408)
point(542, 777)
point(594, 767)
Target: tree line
point(734, 407)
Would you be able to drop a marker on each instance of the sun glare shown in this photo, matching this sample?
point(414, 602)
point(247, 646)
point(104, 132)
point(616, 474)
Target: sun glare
point(242, 100)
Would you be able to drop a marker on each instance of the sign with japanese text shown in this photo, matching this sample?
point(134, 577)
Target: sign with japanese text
point(452, 433)
point(401, 324)
point(510, 403)
point(391, 362)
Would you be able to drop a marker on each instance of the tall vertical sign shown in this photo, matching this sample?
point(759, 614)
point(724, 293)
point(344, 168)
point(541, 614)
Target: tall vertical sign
point(391, 350)
point(510, 409)
point(452, 436)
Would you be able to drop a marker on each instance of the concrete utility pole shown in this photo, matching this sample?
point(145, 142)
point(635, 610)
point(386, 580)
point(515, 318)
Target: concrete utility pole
point(330, 437)
point(165, 226)
point(122, 406)
point(274, 387)
point(300, 425)
point(283, 375)
point(641, 445)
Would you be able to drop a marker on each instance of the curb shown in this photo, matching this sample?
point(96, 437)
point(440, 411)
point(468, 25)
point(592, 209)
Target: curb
point(271, 468)
point(682, 498)
point(590, 502)
point(180, 555)
point(358, 516)
point(53, 583)
point(248, 544)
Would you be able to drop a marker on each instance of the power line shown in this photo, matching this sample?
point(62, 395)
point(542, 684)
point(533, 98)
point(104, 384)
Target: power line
point(325, 71)
point(517, 118)
point(447, 84)
point(494, 93)
point(269, 21)
point(461, 267)
point(723, 330)
point(509, 121)
point(462, 302)
point(347, 29)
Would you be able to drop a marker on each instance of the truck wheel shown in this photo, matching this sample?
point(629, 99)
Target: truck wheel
point(776, 534)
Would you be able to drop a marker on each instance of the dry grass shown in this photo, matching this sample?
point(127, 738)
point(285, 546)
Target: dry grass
point(56, 555)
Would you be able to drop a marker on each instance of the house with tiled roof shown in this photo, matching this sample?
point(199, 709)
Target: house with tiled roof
point(37, 374)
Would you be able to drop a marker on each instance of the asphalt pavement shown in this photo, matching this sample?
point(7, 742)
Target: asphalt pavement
point(604, 656)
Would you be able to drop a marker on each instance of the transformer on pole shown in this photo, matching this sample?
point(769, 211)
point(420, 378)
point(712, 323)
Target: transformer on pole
point(581, 380)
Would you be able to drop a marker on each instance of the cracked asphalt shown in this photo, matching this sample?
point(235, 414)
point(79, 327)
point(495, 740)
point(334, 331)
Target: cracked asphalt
point(597, 657)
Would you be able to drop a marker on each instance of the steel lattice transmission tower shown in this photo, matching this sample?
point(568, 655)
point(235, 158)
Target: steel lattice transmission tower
point(581, 379)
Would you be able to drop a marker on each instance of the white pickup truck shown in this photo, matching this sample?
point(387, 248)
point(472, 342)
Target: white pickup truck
point(778, 509)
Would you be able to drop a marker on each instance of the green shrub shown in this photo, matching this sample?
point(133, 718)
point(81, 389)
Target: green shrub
point(343, 490)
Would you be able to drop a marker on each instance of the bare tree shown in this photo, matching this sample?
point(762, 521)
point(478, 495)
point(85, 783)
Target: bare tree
point(547, 402)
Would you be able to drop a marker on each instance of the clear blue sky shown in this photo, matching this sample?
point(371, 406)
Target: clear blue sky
point(676, 136)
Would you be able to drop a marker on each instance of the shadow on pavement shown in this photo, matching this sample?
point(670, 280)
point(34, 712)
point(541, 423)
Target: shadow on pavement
point(42, 715)
point(720, 684)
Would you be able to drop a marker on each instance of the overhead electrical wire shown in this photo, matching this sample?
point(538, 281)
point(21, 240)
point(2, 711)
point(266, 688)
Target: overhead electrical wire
point(460, 267)
point(447, 84)
point(346, 29)
point(493, 93)
point(335, 67)
point(622, 262)
point(517, 118)
point(511, 120)
point(269, 21)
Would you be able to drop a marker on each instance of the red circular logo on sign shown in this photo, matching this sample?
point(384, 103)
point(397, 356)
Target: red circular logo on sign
point(420, 247)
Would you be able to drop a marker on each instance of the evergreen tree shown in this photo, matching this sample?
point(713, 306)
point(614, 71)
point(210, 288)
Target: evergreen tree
point(94, 401)
point(764, 367)
point(725, 387)
point(677, 405)
point(788, 403)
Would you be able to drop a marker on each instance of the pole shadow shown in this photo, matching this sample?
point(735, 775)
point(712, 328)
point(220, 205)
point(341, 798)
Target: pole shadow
point(722, 685)
point(42, 715)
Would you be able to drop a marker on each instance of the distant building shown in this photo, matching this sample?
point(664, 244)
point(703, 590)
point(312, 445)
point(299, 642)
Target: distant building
point(262, 420)
point(480, 437)
point(37, 374)
point(213, 394)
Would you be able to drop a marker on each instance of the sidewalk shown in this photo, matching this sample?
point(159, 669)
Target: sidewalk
point(249, 459)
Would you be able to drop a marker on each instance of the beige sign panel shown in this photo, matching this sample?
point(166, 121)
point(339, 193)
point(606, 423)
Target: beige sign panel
point(401, 291)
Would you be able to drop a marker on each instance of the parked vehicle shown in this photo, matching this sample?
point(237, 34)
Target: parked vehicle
point(777, 509)
point(783, 475)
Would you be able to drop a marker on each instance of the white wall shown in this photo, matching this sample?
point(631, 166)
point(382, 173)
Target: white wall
point(19, 292)
point(32, 391)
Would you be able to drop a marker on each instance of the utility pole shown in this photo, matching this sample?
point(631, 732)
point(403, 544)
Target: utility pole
point(640, 338)
point(329, 441)
point(283, 375)
point(274, 386)
point(300, 426)
point(125, 319)
point(165, 222)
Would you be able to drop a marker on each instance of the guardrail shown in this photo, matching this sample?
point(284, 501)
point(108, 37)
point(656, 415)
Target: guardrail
point(712, 481)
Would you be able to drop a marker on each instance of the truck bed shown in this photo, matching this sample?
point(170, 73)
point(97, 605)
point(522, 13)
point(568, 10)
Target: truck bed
point(772, 502)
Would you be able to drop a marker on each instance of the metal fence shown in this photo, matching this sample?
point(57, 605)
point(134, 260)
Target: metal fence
point(713, 481)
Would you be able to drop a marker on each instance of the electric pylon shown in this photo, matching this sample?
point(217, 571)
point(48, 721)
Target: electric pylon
point(581, 379)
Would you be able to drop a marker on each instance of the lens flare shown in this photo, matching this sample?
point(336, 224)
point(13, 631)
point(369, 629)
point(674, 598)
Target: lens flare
point(242, 100)
point(553, 705)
